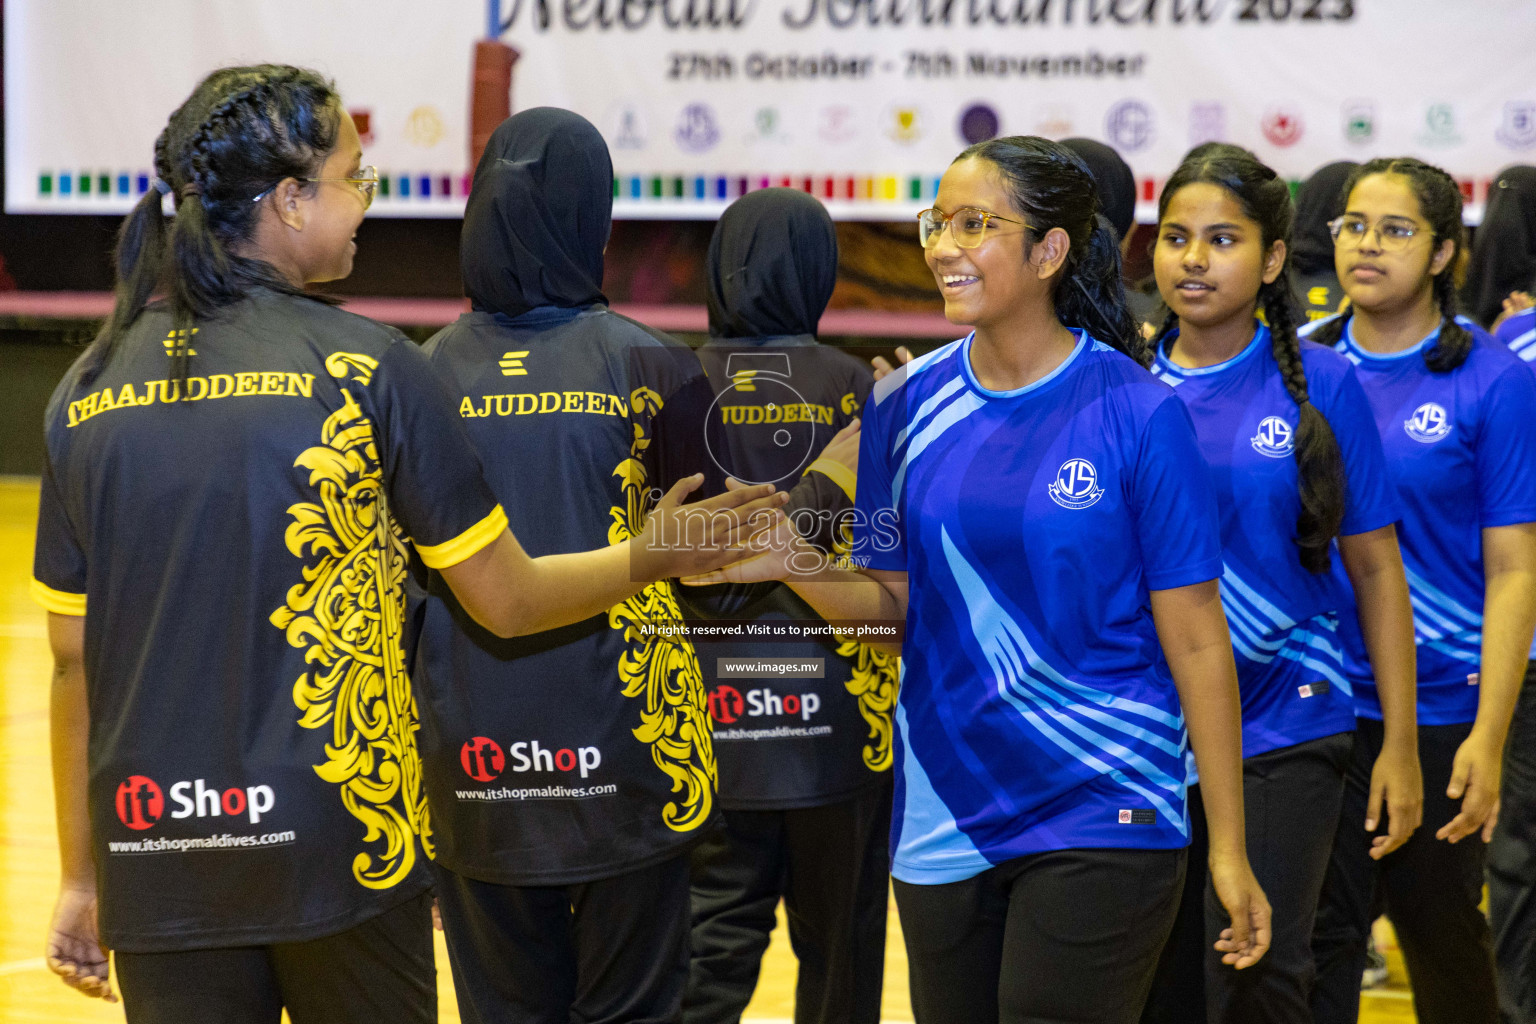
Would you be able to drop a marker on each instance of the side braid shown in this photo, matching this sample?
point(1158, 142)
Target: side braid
point(1320, 473)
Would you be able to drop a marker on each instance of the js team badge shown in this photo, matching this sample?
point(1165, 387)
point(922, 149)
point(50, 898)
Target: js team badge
point(1274, 438)
point(1428, 424)
point(1076, 485)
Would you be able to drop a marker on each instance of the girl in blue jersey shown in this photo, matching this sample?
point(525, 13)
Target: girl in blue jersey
point(1295, 462)
point(1454, 411)
point(1031, 504)
point(237, 478)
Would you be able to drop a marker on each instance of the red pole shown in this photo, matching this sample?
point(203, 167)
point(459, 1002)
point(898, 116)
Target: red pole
point(490, 101)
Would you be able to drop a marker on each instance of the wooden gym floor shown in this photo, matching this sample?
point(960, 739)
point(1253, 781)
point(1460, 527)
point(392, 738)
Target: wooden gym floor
point(29, 855)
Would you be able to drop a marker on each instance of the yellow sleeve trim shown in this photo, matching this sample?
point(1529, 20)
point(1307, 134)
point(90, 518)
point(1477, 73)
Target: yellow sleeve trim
point(471, 542)
point(60, 602)
point(837, 473)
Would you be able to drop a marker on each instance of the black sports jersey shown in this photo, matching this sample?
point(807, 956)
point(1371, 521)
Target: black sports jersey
point(786, 741)
point(1318, 296)
point(791, 742)
point(582, 752)
point(240, 557)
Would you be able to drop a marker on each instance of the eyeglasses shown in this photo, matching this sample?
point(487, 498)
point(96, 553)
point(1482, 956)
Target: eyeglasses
point(1392, 233)
point(366, 183)
point(968, 227)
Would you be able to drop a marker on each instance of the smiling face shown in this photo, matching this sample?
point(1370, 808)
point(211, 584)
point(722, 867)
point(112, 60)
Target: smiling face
point(1382, 278)
point(1210, 259)
point(987, 284)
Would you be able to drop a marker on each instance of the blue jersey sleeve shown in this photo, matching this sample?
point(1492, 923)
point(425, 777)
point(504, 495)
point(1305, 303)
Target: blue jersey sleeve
point(1176, 515)
point(1506, 450)
point(879, 529)
point(1371, 498)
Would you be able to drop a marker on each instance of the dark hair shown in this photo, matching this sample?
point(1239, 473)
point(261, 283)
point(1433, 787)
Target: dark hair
point(241, 132)
point(1052, 187)
point(1266, 200)
point(1439, 200)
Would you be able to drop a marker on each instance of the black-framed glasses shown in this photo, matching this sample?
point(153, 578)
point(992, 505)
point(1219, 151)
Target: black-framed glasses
point(967, 226)
point(1393, 234)
point(366, 182)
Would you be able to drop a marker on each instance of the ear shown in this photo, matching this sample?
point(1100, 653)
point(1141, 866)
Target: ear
point(1442, 257)
point(1049, 254)
point(1274, 261)
point(288, 200)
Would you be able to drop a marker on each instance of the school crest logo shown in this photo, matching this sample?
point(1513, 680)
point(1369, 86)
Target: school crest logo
point(904, 124)
point(1207, 123)
point(1440, 126)
point(1518, 131)
point(978, 123)
point(697, 128)
point(1428, 424)
point(1274, 438)
point(836, 124)
point(1076, 484)
point(1129, 125)
point(1359, 122)
point(628, 127)
point(1282, 127)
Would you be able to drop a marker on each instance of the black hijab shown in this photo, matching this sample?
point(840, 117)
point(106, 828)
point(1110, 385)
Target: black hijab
point(1504, 251)
point(1117, 185)
point(772, 265)
point(1317, 202)
point(538, 215)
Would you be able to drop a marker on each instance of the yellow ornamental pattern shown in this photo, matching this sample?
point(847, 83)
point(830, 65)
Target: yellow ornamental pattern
point(662, 670)
point(873, 684)
point(348, 615)
point(874, 680)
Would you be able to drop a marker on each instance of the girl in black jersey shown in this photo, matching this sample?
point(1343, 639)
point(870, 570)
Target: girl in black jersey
point(805, 763)
point(237, 478)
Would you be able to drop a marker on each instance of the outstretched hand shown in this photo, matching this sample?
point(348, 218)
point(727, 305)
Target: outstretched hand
point(684, 540)
point(777, 553)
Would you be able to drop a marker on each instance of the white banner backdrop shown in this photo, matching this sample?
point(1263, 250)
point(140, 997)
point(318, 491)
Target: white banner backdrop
point(862, 102)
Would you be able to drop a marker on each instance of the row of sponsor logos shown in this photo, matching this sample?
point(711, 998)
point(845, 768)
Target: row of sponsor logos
point(1130, 125)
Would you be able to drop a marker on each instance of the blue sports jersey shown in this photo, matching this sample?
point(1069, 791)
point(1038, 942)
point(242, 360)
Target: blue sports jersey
point(1519, 334)
point(1036, 711)
point(1462, 452)
point(1284, 620)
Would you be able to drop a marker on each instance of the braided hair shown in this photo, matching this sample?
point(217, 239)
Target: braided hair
point(1320, 475)
point(1052, 187)
point(242, 131)
point(1440, 202)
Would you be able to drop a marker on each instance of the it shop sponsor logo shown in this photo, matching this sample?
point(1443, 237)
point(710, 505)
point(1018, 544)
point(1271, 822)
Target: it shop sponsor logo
point(727, 705)
point(484, 760)
point(141, 803)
